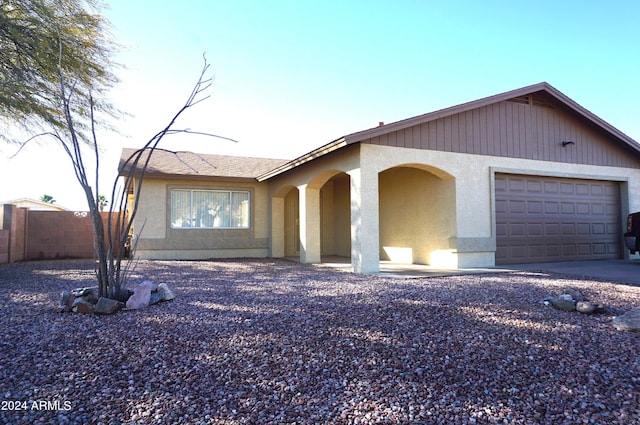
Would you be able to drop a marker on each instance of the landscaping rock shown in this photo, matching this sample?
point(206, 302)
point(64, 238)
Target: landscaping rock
point(630, 321)
point(585, 307)
point(168, 293)
point(574, 294)
point(107, 306)
point(564, 302)
point(81, 305)
point(156, 297)
point(66, 302)
point(91, 294)
point(141, 295)
point(123, 295)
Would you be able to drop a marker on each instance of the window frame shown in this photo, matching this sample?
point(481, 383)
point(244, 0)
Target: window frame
point(229, 192)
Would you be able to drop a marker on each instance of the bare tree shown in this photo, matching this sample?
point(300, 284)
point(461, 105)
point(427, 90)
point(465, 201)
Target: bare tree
point(111, 238)
point(111, 274)
point(55, 70)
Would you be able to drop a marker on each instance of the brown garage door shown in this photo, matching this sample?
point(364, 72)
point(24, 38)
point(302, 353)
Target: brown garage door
point(541, 219)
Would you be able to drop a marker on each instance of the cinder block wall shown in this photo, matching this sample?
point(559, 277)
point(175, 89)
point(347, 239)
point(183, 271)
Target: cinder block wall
point(12, 236)
point(4, 246)
point(19, 234)
point(40, 235)
point(60, 234)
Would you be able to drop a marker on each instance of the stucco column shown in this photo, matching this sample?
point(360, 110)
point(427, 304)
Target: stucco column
point(277, 227)
point(309, 224)
point(365, 230)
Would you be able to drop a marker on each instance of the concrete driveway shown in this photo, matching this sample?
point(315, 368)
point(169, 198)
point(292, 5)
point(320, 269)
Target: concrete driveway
point(623, 271)
point(626, 271)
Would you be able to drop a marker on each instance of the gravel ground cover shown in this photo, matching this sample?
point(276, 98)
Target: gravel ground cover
point(265, 341)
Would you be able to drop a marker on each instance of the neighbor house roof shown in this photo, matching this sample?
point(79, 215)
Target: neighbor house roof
point(540, 88)
point(163, 163)
point(34, 205)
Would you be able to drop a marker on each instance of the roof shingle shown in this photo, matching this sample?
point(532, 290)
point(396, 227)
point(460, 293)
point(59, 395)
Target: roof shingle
point(190, 164)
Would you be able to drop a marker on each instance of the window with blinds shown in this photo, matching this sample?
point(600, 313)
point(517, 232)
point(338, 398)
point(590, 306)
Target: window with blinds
point(209, 209)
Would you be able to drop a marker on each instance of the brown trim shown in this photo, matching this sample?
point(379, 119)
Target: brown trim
point(518, 93)
point(321, 151)
point(499, 123)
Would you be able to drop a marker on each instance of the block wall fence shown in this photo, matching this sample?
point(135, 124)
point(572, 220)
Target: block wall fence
point(43, 235)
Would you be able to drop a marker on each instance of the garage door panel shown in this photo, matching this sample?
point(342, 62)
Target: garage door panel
point(567, 188)
point(517, 207)
point(556, 219)
point(552, 230)
point(582, 189)
point(517, 229)
point(537, 251)
point(568, 229)
point(534, 207)
point(516, 185)
point(534, 230)
point(583, 208)
point(553, 250)
point(551, 207)
point(534, 186)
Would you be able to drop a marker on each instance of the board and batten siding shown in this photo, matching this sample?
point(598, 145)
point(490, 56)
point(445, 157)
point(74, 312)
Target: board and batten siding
point(516, 129)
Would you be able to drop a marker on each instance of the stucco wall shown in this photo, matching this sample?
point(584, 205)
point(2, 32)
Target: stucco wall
point(473, 242)
point(336, 216)
point(157, 240)
point(415, 214)
point(291, 206)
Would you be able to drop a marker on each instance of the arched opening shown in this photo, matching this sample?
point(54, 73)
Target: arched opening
point(417, 215)
point(292, 223)
point(335, 216)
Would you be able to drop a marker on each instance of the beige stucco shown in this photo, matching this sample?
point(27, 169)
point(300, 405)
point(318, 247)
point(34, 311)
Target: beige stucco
point(421, 206)
point(420, 190)
point(415, 214)
point(368, 202)
point(157, 240)
point(472, 242)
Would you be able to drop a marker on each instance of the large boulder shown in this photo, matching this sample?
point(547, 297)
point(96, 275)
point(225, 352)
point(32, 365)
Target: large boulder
point(90, 294)
point(107, 306)
point(162, 293)
point(575, 294)
point(630, 321)
point(563, 302)
point(141, 295)
point(168, 293)
point(156, 297)
point(81, 305)
point(589, 307)
point(66, 302)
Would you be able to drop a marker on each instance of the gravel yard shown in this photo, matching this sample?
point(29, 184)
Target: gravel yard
point(268, 341)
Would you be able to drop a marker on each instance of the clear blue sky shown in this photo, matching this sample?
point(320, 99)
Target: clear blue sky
point(293, 75)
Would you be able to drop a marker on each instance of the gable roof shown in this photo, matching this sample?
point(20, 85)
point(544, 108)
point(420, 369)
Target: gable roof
point(536, 89)
point(182, 164)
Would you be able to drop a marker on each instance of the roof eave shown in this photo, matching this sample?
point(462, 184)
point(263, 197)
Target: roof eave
point(168, 176)
point(585, 113)
point(316, 153)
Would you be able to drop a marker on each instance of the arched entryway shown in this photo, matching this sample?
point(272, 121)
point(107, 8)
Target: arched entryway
point(417, 215)
point(335, 216)
point(313, 219)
